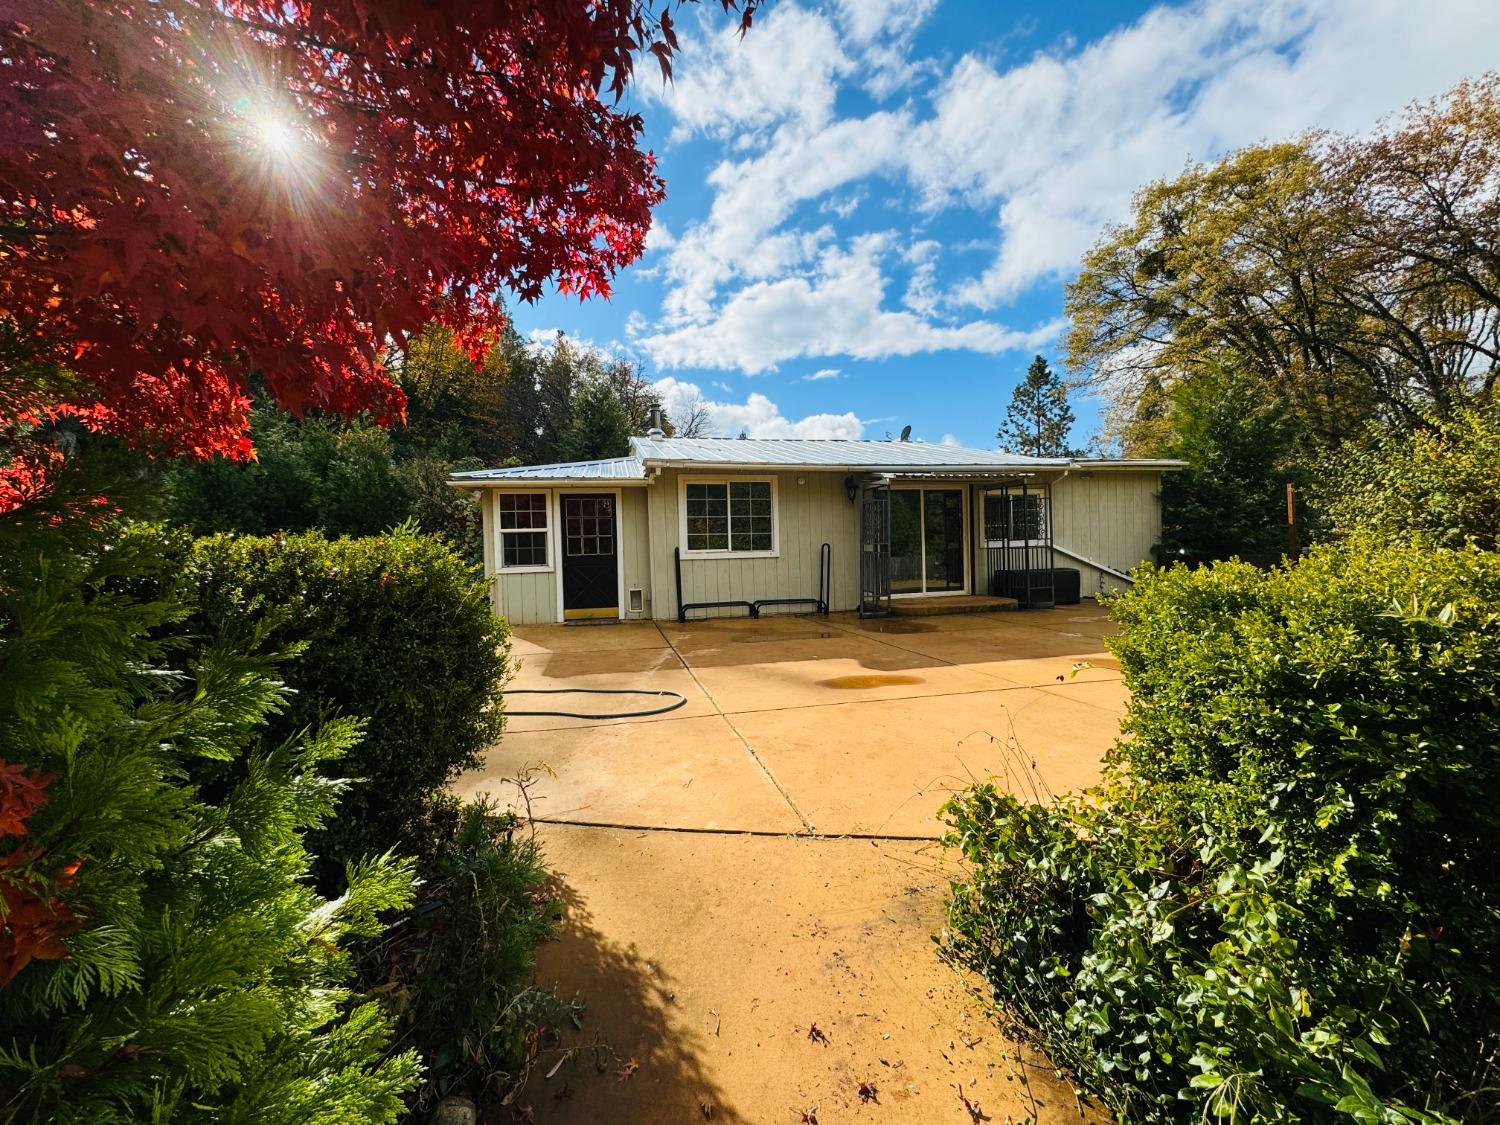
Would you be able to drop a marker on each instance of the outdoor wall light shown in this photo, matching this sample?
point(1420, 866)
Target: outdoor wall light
point(851, 487)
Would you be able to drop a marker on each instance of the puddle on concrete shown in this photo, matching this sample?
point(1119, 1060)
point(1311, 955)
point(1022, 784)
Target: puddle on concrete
point(854, 683)
point(897, 627)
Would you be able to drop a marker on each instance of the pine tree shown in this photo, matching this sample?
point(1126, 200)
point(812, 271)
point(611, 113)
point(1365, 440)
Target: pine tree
point(164, 955)
point(1039, 418)
point(599, 426)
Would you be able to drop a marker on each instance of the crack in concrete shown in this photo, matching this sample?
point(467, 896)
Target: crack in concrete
point(765, 770)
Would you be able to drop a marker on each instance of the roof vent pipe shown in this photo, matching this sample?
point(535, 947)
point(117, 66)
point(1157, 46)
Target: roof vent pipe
point(656, 431)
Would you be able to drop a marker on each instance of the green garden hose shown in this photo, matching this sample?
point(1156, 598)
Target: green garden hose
point(678, 700)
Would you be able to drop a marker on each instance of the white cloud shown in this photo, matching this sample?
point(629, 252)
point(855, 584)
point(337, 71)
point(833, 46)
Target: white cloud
point(950, 439)
point(1034, 158)
point(882, 31)
point(1057, 145)
point(922, 287)
point(757, 415)
point(836, 308)
point(867, 20)
point(787, 69)
point(753, 197)
point(659, 237)
point(547, 337)
point(843, 205)
point(820, 374)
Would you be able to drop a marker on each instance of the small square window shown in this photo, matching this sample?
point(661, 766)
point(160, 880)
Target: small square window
point(523, 529)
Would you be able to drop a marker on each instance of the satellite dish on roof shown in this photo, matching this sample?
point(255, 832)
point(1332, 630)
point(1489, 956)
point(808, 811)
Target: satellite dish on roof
point(906, 433)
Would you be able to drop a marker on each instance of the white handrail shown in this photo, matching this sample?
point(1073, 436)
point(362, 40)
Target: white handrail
point(1109, 570)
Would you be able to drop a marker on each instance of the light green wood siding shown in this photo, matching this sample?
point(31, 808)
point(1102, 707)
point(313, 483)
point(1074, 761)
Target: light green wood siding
point(635, 549)
point(527, 599)
point(487, 544)
point(809, 514)
point(531, 598)
point(1112, 518)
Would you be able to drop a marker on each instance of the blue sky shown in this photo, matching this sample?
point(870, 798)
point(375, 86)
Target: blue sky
point(873, 205)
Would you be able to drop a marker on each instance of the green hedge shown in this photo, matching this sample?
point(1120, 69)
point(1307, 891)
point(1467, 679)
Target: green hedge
point(163, 956)
point(393, 629)
point(1283, 903)
point(1439, 483)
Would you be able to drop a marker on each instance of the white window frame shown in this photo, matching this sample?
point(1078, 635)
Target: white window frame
point(682, 518)
point(964, 492)
point(548, 532)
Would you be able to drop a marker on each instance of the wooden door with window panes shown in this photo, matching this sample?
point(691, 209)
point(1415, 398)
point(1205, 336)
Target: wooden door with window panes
point(590, 557)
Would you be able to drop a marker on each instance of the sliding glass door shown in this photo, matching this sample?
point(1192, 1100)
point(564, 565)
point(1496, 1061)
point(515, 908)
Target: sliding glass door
point(927, 541)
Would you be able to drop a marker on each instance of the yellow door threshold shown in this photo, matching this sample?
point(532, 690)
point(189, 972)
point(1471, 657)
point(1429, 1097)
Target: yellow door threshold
point(612, 611)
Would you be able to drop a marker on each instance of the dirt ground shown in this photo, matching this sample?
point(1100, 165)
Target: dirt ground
point(763, 860)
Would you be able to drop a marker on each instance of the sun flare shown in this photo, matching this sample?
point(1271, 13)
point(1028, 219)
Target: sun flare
point(277, 136)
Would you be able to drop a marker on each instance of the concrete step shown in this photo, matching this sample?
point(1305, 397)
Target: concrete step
point(943, 605)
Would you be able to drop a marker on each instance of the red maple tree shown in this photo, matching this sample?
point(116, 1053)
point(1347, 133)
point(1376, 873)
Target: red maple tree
point(194, 190)
point(33, 918)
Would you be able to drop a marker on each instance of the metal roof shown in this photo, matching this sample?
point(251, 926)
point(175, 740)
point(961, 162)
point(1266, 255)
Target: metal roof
point(791, 453)
point(829, 453)
point(615, 468)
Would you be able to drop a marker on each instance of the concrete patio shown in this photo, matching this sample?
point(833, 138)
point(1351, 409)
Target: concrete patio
point(763, 858)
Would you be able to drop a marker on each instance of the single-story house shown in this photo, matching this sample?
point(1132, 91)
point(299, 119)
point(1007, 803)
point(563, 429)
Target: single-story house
point(688, 526)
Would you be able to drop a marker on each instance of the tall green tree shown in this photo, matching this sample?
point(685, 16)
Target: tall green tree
point(599, 426)
point(1238, 441)
point(1039, 419)
point(309, 472)
point(1354, 277)
point(515, 408)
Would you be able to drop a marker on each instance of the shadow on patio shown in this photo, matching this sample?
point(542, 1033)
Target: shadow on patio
point(630, 1016)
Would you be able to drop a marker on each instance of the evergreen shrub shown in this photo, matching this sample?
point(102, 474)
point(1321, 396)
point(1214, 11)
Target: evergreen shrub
point(396, 630)
point(1282, 904)
point(1439, 483)
point(458, 967)
point(164, 957)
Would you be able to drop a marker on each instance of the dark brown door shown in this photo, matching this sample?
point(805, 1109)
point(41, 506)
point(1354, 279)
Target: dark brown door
point(590, 557)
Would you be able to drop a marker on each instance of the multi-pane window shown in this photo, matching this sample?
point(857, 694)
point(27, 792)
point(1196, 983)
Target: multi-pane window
point(523, 529)
point(589, 525)
point(1015, 517)
point(731, 516)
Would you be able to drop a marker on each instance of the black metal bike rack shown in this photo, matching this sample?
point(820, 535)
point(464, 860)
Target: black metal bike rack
point(683, 607)
point(825, 582)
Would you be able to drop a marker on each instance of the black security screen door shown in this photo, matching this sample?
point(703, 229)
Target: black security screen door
point(590, 557)
point(874, 550)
